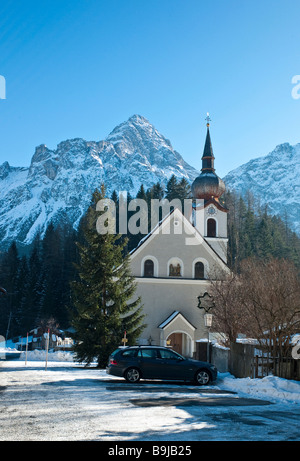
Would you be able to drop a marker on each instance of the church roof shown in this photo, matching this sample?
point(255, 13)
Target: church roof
point(214, 201)
point(208, 184)
point(155, 231)
point(173, 317)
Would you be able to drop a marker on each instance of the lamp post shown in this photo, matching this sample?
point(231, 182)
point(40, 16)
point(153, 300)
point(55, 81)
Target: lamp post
point(206, 302)
point(208, 324)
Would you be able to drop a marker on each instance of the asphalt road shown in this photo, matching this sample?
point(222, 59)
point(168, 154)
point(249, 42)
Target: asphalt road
point(77, 404)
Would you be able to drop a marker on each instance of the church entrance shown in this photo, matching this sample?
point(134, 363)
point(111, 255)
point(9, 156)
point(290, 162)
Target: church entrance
point(181, 343)
point(175, 341)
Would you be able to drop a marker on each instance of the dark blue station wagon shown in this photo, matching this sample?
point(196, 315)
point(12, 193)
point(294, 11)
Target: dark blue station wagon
point(153, 362)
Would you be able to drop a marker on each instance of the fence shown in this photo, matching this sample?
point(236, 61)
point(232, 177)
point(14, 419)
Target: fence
point(284, 367)
point(246, 360)
point(218, 356)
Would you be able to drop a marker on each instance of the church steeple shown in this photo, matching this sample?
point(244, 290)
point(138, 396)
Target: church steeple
point(209, 215)
point(208, 155)
point(208, 185)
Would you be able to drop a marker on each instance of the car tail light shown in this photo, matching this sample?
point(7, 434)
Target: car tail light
point(113, 362)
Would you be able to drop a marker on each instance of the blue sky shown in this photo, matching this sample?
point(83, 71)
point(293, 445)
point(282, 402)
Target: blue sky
point(79, 68)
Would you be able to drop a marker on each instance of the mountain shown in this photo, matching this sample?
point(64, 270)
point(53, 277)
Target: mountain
point(274, 180)
point(58, 184)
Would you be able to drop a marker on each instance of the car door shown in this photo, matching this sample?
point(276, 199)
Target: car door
point(173, 365)
point(150, 363)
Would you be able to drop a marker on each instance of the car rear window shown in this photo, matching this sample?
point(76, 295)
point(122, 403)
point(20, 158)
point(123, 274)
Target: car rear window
point(115, 352)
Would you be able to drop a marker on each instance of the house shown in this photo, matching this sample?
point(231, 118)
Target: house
point(174, 263)
point(58, 339)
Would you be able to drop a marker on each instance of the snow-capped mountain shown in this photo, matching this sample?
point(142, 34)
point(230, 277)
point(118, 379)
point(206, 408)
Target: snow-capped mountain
point(275, 180)
point(59, 183)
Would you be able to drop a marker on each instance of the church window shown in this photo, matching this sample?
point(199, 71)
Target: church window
point(149, 268)
point(175, 267)
point(211, 227)
point(199, 270)
point(175, 270)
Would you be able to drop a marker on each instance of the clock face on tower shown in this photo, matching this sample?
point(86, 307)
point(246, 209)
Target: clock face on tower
point(211, 211)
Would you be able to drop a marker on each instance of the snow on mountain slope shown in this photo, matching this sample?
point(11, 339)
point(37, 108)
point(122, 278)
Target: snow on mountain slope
point(275, 180)
point(58, 184)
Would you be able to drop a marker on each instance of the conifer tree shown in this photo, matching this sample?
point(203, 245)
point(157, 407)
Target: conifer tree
point(178, 189)
point(142, 193)
point(9, 272)
point(183, 189)
point(33, 293)
point(103, 296)
point(157, 191)
point(171, 189)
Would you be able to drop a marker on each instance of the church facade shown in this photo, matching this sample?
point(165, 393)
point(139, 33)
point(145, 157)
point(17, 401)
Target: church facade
point(173, 265)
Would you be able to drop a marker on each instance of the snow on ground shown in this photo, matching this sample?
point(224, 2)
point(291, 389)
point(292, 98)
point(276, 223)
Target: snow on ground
point(270, 387)
point(69, 402)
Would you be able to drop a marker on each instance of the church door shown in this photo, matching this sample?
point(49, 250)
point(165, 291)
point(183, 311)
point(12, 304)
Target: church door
point(176, 342)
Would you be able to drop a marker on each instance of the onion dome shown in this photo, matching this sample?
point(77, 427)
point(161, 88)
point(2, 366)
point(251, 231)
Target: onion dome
point(208, 184)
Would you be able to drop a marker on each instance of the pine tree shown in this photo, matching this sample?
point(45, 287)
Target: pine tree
point(157, 191)
point(20, 300)
point(52, 252)
point(33, 293)
point(103, 294)
point(178, 189)
point(171, 189)
point(142, 193)
point(9, 273)
point(184, 189)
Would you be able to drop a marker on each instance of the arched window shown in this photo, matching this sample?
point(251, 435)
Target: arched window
point(175, 270)
point(175, 267)
point(211, 227)
point(199, 270)
point(148, 268)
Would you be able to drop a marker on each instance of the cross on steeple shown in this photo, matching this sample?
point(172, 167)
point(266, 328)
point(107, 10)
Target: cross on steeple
point(208, 119)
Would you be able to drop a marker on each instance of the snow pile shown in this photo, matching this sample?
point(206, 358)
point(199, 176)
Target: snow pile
point(3, 350)
point(53, 356)
point(270, 387)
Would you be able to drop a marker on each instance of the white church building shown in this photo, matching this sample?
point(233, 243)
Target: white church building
point(172, 265)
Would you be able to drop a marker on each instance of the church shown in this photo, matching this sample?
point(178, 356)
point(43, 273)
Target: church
point(173, 264)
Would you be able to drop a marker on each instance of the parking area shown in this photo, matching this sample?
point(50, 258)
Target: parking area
point(68, 402)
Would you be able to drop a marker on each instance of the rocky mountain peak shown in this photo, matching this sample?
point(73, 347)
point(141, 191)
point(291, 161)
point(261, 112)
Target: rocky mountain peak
point(274, 180)
point(58, 185)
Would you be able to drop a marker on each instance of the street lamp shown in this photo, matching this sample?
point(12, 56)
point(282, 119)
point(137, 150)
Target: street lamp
point(208, 323)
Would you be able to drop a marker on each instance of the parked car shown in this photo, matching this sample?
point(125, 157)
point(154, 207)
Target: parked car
point(154, 362)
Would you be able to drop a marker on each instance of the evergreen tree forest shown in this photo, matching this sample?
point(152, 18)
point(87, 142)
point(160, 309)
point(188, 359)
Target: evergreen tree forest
point(39, 280)
point(104, 300)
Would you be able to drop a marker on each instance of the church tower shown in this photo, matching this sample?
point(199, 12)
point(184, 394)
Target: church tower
point(211, 216)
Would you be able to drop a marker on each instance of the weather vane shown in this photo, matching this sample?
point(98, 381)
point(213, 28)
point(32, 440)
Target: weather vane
point(208, 119)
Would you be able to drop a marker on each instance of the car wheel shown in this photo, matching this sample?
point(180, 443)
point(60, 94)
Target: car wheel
point(202, 377)
point(132, 375)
